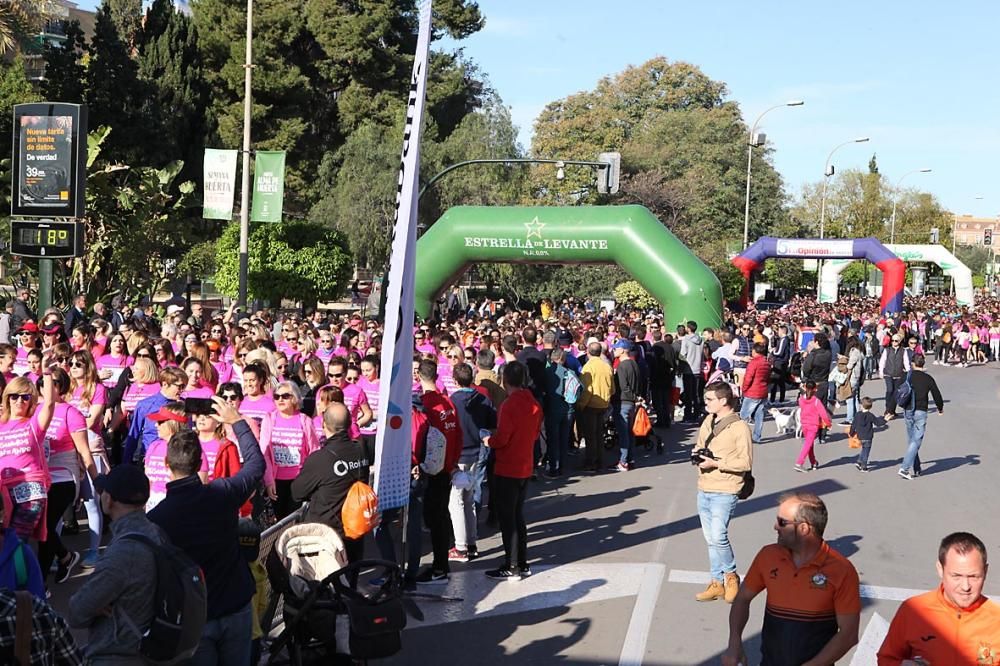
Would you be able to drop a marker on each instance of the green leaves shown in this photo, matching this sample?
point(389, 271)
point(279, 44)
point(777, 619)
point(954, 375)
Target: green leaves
point(290, 260)
point(631, 294)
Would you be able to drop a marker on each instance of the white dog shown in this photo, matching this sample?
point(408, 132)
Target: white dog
point(784, 421)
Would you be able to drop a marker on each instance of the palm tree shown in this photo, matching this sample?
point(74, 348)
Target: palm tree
point(19, 19)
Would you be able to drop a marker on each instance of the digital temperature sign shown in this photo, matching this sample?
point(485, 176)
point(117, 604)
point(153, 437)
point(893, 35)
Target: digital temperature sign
point(46, 239)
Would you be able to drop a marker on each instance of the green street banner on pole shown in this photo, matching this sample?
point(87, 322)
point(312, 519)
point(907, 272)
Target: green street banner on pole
point(268, 185)
point(220, 179)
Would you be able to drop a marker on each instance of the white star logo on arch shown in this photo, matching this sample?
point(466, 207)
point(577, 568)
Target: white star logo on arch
point(534, 228)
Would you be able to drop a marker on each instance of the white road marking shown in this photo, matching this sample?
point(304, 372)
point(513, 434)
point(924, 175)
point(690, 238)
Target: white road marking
point(634, 648)
point(548, 587)
point(866, 653)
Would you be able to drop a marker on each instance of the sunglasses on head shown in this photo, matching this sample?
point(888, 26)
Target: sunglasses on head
point(25, 397)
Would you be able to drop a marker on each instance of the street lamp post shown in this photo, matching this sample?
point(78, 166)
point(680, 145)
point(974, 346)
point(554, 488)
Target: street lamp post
point(245, 182)
point(827, 172)
point(895, 200)
point(751, 144)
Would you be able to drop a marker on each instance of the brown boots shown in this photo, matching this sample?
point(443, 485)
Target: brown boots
point(714, 591)
point(717, 590)
point(732, 586)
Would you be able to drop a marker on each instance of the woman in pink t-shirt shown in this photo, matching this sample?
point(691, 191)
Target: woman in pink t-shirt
point(256, 402)
point(292, 439)
point(192, 367)
point(354, 397)
point(110, 365)
point(369, 383)
point(212, 436)
point(66, 444)
point(169, 421)
point(24, 475)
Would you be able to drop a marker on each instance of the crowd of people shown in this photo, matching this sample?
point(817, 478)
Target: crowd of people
point(116, 414)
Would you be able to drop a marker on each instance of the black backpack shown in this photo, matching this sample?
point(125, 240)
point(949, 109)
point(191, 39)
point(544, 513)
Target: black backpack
point(180, 605)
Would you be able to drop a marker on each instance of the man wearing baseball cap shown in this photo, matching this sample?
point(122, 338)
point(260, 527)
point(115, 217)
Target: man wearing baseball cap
point(113, 603)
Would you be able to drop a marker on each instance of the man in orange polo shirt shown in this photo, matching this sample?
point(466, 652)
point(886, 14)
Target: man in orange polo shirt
point(813, 596)
point(954, 624)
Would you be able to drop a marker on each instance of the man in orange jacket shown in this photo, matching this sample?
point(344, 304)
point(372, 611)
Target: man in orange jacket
point(954, 624)
point(518, 424)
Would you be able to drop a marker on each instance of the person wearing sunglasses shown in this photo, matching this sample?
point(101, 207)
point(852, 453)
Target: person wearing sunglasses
point(170, 420)
point(311, 377)
point(243, 347)
point(27, 338)
point(354, 397)
point(292, 438)
point(23, 423)
point(816, 589)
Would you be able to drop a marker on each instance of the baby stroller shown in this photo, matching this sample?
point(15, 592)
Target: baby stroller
point(330, 615)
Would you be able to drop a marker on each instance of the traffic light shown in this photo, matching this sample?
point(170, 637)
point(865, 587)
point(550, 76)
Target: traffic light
point(987, 236)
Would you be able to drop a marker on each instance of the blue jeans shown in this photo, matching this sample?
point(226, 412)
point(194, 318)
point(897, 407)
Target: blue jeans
point(225, 641)
point(558, 427)
point(852, 404)
point(866, 449)
point(624, 417)
point(715, 510)
point(916, 426)
point(479, 478)
point(754, 407)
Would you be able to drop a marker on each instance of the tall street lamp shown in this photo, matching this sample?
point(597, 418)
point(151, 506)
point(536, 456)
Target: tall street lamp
point(827, 172)
point(752, 143)
point(895, 200)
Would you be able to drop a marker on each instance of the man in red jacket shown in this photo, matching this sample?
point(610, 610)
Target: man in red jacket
point(518, 423)
point(754, 389)
point(441, 417)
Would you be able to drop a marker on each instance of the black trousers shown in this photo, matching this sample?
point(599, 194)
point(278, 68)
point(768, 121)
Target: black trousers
point(61, 496)
point(510, 510)
point(592, 431)
point(437, 518)
point(285, 504)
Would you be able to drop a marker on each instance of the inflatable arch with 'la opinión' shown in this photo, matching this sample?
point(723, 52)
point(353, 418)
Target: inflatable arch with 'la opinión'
point(892, 267)
point(933, 254)
point(629, 236)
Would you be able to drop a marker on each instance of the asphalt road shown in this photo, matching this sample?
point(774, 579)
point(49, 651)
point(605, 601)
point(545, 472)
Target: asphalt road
point(618, 557)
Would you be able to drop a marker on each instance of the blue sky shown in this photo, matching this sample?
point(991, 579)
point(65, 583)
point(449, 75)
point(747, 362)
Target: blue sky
point(919, 78)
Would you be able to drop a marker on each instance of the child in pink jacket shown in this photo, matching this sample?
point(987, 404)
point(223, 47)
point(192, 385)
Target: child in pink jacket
point(813, 416)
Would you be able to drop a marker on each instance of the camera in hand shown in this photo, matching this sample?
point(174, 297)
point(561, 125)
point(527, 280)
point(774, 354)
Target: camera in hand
point(699, 455)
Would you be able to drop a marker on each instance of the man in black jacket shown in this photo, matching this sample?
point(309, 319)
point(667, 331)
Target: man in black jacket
point(780, 358)
point(922, 385)
point(662, 374)
point(627, 380)
point(203, 521)
point(816, 365)
point(328, 474)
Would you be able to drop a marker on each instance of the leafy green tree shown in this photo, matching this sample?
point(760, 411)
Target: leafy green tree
point(294, 260)
point(527, 284)
point(14, 89)
point(20, 20)
point(631, 294)
point(135, 225)
point(322, 70)
point(683, 149)
point(170, 65)
point(115, 94)
point(64, 70)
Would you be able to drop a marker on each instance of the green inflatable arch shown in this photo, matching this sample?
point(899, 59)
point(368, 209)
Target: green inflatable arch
point(629, 236)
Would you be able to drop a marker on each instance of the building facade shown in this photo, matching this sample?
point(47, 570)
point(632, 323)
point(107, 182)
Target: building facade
point(970, 230)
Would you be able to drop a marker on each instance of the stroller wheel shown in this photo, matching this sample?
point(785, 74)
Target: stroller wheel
point(649, 443)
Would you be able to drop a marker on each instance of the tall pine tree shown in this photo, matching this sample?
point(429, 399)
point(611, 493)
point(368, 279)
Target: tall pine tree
point(115, 94)
point(170, 65)
point(64, 70)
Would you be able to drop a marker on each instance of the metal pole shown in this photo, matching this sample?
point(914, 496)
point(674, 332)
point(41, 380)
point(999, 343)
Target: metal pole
point(245, 194)
point(750, 146)
point(892, 225)
point(746, 207)
point(511, 160)
point(44, 286)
